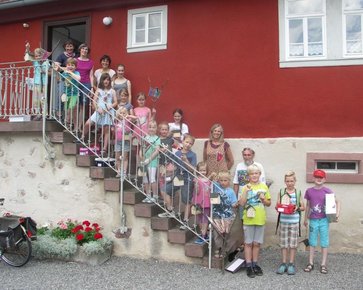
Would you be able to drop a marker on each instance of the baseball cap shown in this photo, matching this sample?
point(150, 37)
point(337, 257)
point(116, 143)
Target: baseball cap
point(319, 173)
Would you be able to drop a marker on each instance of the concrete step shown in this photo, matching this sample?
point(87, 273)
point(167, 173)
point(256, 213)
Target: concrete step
point(85, 160)
point(195, 250)
point(217, 263)
point(132, 196)
point(71, 148)
point(178, 236)
point(146, 210)
point(101, 172)
point(56, 137)
point(163, 224)
point(113, 184)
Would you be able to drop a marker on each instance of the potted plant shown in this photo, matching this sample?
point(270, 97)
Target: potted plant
point(73, 241)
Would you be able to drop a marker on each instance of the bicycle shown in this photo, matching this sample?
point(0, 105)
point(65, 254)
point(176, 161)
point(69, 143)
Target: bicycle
point(16, 233)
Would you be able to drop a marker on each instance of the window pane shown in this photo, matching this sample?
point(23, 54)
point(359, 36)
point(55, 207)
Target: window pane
point(305, 6)
point(140, 36)
point(346, 165)
point(296, 37)
point(154, 35)
point(353, 4)
point(140, 22)
point(354, 34)
point(154, 20)
point(325, 165)
point(315, 36)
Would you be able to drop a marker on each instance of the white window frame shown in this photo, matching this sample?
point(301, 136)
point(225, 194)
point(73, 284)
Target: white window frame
point(336, 162)
point(132, 46)
point(334, 40)
point(351, 12)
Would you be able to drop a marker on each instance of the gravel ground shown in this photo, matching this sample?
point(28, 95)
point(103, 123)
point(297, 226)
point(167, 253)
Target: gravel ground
point(345, 272)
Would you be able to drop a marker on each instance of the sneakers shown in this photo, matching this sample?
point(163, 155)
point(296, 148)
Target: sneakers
point(148, 199)
point(167, 214)
point(201, 241)
point(282, 269)
point(184, 226)
point(291, 269)
point(250, 272)
point(258, 271)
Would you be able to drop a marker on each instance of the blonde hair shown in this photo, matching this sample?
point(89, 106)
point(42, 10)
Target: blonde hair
point(217, 125)
point(224, 174)
point(187, 136)
point(120, 111)
point(253, 168)
point(71, 60)
point(290, 173)
point(39, 51)
point(202, 164)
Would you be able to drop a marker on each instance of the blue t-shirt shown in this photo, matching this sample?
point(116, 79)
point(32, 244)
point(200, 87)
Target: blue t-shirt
point(182, 167)
point(228, 198)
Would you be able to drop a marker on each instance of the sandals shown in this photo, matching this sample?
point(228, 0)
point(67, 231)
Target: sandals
point(323, 269)
point(309, 268)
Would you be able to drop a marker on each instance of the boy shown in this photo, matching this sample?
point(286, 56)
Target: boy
point(186, 164)
point(318, 221)
point(254, 196)
point(289, 223)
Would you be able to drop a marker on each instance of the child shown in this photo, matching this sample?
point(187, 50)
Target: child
point(122, 101)
point(254, 196)
point(185, 163)
point(289, 223)
point(104, 103)
point(122, 129)
point(119, 82)
point(201, 199)
point(223, 213)
point(144, 116)
point(150, 154)
point(166, 168)
point(41, 66)
point(71, 78)
point(318, 221)
point(178, 129)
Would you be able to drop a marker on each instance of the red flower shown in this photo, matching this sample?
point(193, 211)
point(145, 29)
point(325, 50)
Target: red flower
point(87, 229)
point(79, 237)
point(86, 223)
point(76, 229)
point(97, 229)
point(98, 236)
point(95, 225)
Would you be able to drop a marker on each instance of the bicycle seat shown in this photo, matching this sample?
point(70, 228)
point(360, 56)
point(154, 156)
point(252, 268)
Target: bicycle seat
point(7, 223)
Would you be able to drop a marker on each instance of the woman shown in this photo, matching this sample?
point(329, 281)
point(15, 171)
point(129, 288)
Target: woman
point(85, 68)
point(119, 82)
point(217, 153)
point(105, 68)
point(178, 129)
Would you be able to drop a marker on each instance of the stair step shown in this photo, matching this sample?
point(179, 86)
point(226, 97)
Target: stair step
point(177, 236)
point(146, 210)
point(217, 263)
point(195, 250)
point(132, 196)
point(67, 137)
point(163, 224)
point(85, 160)
point(113, 184)
point(56, 137)
point(101, 172)
point(71, 148)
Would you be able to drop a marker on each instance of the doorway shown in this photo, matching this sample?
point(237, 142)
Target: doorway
point(76, 30)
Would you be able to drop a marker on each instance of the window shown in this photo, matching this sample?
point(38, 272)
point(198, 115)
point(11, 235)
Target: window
point(340, 167)
point(320, 32)
point(352, 23)
point(147, 29)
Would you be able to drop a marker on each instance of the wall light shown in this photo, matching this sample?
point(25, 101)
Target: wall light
point(107, 20)
point(26, 25)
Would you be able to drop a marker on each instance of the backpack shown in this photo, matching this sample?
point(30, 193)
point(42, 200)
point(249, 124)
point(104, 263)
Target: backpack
point(298, 195)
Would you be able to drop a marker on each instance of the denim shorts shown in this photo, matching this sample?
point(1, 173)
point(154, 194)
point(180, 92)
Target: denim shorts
point(319, 227)
point(83, 94)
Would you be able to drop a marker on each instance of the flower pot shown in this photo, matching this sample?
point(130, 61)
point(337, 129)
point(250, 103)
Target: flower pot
point(93, 259)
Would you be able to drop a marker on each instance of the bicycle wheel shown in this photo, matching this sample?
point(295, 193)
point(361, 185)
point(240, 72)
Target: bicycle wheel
point(18, 255)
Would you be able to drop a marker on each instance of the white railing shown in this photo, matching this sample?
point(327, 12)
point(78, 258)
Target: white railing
point(17, 98)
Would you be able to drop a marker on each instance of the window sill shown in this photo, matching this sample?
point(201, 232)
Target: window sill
point(321, 62)
point(146, 48)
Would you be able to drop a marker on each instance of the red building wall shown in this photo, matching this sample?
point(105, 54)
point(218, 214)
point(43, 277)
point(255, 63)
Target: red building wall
point(222, 66)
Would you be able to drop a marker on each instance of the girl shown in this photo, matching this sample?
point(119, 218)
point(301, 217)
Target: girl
point(123, 101)
point(104, 103)
point(201, 199)
point(122, 130)
point(178, 129)
point(149, 155)
point(144, 116)
point(119, 82)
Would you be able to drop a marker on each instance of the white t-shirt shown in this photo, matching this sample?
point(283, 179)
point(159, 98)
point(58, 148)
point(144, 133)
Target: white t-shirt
point(241, 176)
point(176, 127)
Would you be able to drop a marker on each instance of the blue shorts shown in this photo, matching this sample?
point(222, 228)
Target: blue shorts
point(186, 190)
point(319, 227)
point(84, 94)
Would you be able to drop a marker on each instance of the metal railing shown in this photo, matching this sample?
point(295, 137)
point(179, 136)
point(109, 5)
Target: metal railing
point(18, 97)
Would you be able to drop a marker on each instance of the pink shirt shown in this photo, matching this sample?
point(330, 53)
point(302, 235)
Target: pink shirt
point(143, 115)
point(84, 67)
